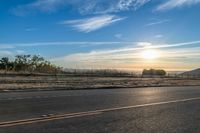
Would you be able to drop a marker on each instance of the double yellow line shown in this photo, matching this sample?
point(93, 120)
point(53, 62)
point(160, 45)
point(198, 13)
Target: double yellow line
point(46, 118)
point(87, 113)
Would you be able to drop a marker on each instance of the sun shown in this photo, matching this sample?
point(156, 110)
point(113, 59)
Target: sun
point(150, 54)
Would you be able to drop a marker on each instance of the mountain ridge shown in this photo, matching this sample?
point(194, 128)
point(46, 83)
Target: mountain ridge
point(195, 72)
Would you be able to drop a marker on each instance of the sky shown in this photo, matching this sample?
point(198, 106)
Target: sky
point(98, 34)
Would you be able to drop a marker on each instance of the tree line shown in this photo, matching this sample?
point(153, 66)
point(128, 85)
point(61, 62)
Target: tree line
point(100, 72)
point(28, 63)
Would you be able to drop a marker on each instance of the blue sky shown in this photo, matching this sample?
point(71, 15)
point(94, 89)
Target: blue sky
point(102, 33)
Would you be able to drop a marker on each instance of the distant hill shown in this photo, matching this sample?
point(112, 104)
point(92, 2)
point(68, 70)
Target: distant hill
point(195, 73)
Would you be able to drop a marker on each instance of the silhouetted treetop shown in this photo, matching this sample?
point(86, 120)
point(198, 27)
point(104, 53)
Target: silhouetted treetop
point(28, 63)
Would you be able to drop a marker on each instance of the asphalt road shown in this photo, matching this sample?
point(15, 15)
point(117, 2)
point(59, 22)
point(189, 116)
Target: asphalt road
point(136, 110)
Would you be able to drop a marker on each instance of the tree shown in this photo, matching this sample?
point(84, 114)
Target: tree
point(161, 72)
point(29, 63)
point(22, 62)
point(36, 60)
point(4, 62)
point(153, 72)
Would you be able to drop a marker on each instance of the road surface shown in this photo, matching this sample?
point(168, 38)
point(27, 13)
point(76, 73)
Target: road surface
point(138, 110)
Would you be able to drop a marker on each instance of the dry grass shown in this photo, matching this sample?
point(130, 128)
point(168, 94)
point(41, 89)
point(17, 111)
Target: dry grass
point(69, 82)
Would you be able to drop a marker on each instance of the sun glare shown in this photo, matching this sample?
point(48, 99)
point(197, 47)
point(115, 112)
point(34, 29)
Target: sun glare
point(150, 54)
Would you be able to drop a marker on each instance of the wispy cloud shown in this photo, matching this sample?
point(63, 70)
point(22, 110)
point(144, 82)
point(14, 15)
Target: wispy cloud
point(5, 53)
point(83, 6)
point(31, 29)
point(144, 44)
point(118, 36)
point(158, 22)
point(38, 44)
point(111, 6)
point(95, 6)
point(92, 43)
point(39, 5)
point(20, 52)
point(158, 36)
point(11, 52)
point(94, 23)
point(6, 46)
point(130, 55)
point(170, 4)
point(127, 4)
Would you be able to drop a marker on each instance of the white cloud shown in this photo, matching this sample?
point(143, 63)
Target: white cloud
point(111, 6)
point(127, 4)
point(81, 43)
point(126, 55)
point(118, 36)
point(170, 4)
point(31, 29)
point(46, 5)
point(144, 44)
point(130, 54)
point(95, 6)
point(5, 53)
point(158, 22)
point(83, 6)
point(92, 43)
point(158, 36)
point(41, 5)
point(6, 46)
point(11, 53)
point(20, 52)
point(94, 23)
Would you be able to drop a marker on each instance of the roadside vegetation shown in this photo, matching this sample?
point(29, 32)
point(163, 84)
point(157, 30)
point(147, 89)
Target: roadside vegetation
point(37, 64)
point(26, 72)
point(28, 63)
point(154, 73)
point(100, 72)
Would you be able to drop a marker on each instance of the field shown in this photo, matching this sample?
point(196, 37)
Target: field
point(69, 82)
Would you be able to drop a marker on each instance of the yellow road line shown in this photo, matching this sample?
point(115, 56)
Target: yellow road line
point(36, 120)
point(87, 113)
